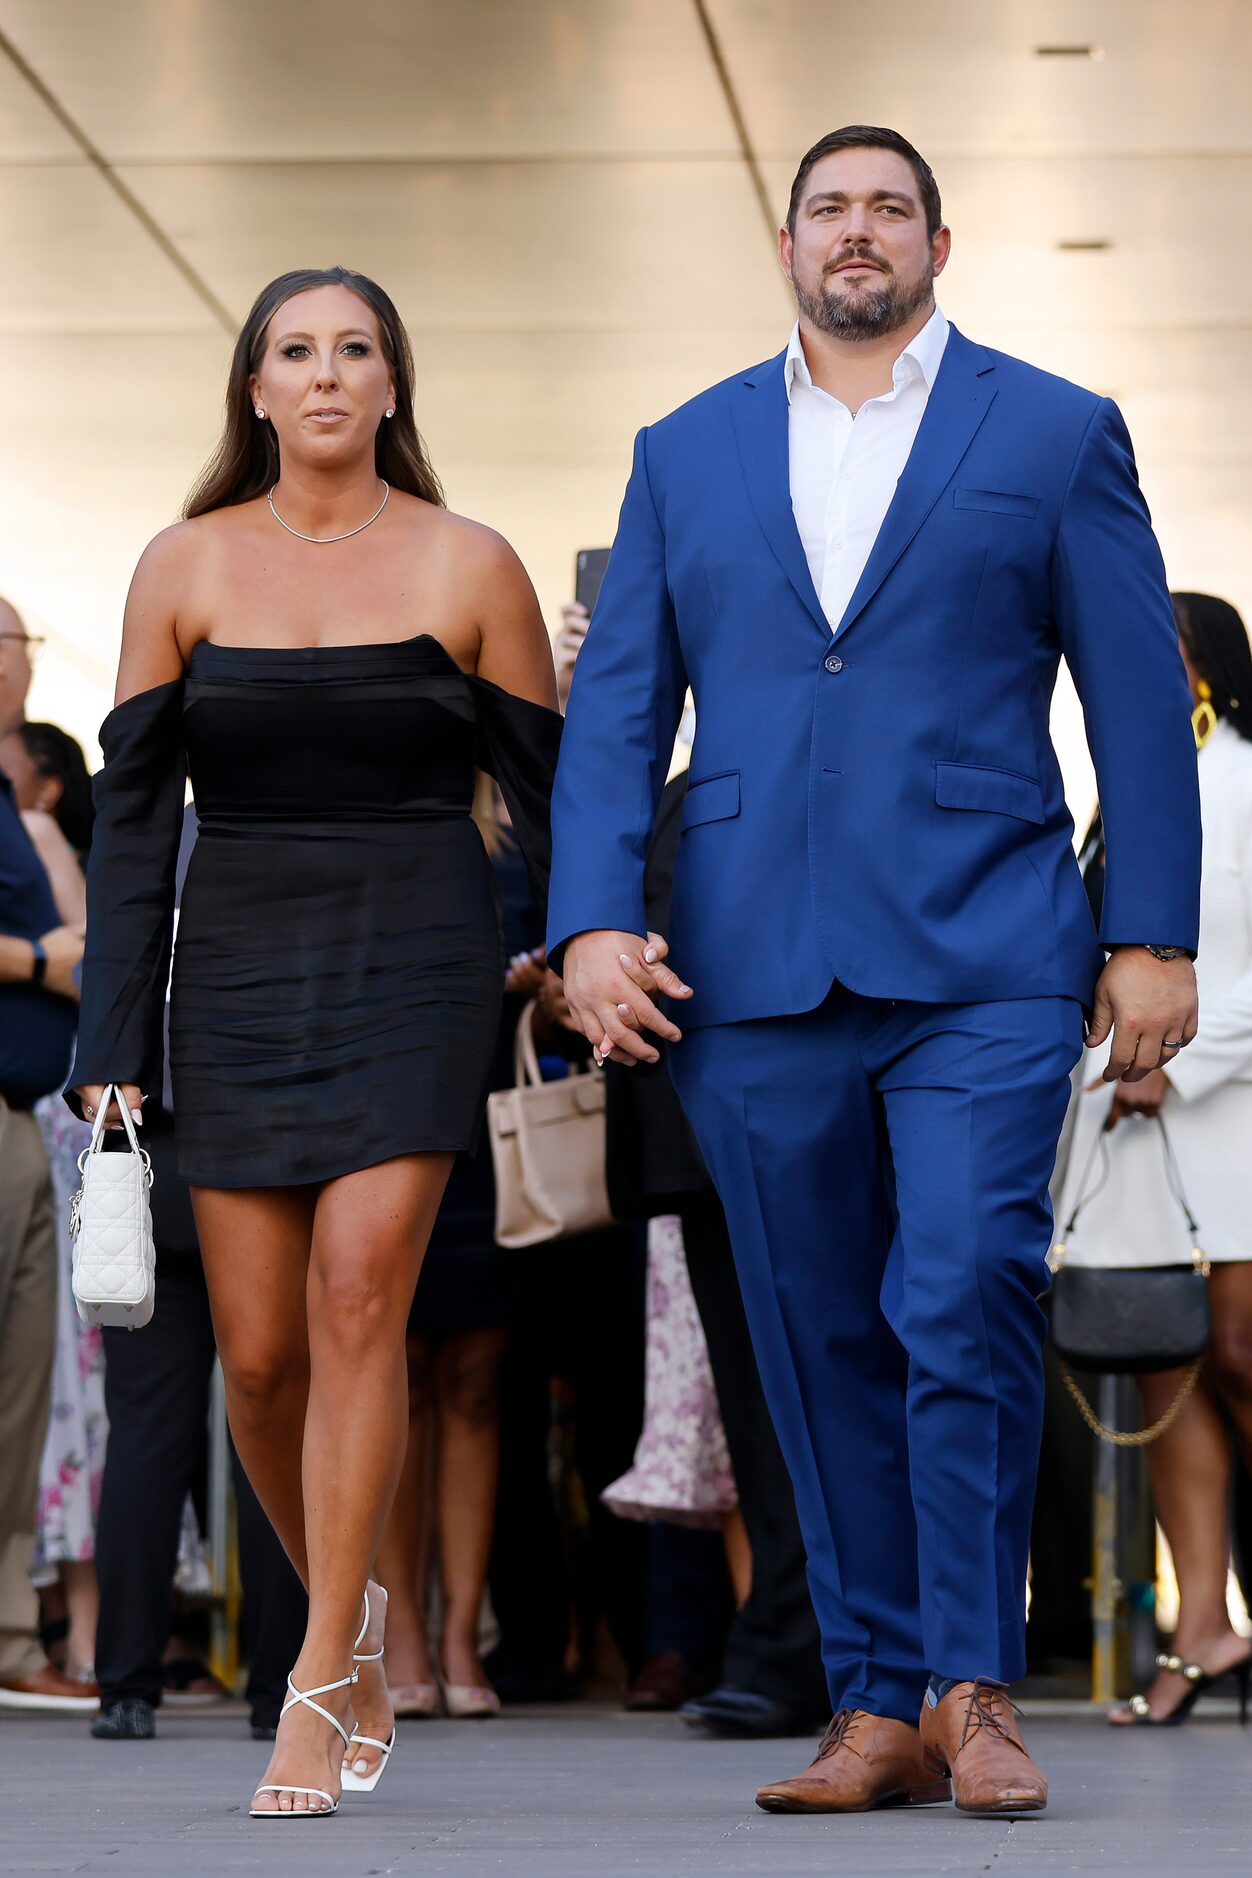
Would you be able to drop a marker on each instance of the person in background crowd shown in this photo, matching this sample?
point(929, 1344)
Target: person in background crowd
point(572, 1381)
point(157, 1396)
point(52, 787)
point(38, 1008)
point(468, 1298)
point(1205, 1100)
point(680, 1483)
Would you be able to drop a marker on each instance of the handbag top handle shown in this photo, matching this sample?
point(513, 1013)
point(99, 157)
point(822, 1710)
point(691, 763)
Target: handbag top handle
point(526, 1058)
point(110, 1092)
point(1173, 1180)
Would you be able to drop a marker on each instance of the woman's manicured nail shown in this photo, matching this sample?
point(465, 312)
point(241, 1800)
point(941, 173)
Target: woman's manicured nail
point(651, 955)
point(137, 1115)
point(624, 1009)
point(624, 958)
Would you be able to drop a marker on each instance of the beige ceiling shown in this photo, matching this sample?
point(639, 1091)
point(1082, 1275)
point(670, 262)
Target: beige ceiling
point(568, 200)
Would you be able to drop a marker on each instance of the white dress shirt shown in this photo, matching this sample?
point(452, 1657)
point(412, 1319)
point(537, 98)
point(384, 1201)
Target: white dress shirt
point(844, 469)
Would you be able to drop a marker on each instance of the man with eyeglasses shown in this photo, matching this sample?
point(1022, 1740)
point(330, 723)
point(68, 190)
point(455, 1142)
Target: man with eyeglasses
point(37, 1016)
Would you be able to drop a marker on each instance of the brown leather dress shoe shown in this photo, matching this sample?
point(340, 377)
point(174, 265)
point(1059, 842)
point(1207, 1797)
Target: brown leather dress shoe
point(664, 1683)
point(864, 1761)
point(974, 1734)
point(47, 1688)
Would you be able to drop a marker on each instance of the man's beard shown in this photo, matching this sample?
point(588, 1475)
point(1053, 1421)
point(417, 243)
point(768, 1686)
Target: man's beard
point(865, 313)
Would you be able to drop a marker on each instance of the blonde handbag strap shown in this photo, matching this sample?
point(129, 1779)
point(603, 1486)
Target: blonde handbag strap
point(525, 1056)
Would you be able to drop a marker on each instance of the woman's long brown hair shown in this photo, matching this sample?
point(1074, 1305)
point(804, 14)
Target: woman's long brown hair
point(245, 463)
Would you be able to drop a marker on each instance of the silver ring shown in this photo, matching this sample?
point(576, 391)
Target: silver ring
point(1167, 1045)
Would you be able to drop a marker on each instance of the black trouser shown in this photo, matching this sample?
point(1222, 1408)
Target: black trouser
point(588, 1298)
point(156, 1392)
point(773, 1648)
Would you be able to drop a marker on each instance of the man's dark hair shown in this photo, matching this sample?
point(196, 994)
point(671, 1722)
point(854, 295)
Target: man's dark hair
point(869, 137)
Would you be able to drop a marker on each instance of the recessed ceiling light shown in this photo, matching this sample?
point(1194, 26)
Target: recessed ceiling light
point(1084, 247)
point(1095, 53)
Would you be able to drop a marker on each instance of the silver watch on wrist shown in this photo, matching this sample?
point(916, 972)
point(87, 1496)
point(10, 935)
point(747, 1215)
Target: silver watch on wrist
point(1166, 953)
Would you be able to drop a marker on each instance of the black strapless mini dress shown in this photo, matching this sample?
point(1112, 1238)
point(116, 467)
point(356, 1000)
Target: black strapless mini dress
point(339, 961)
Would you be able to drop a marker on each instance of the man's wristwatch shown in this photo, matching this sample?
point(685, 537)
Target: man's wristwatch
point(40, 965)
point(1169, 952)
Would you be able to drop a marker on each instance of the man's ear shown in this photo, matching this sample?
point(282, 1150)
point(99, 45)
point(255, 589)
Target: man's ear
point(786, 248)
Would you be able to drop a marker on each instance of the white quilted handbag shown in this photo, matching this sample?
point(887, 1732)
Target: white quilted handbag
point(111, 1226)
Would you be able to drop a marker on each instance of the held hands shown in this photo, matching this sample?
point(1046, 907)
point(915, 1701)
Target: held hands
point(1151, 1007)
point(611, 979)
point(90, 1094)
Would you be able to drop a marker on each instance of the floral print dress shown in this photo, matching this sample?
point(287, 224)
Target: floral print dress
point(681, 1472)
point(73, 1456)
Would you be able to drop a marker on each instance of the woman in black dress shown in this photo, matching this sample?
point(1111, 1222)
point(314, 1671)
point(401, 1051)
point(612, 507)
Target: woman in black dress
point(330, 654)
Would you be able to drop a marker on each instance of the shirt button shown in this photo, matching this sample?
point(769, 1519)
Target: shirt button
point(833, 662)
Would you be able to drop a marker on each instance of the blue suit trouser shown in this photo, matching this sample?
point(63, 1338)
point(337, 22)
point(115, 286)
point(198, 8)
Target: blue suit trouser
point(884, 1167)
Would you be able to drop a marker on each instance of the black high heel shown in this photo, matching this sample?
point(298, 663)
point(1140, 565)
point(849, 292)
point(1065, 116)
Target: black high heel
point(1198, 1680)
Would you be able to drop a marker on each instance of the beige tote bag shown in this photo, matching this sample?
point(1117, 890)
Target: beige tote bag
point(547, 1144)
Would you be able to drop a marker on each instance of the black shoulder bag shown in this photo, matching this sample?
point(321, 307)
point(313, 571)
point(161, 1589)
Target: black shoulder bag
point(1125, 1320)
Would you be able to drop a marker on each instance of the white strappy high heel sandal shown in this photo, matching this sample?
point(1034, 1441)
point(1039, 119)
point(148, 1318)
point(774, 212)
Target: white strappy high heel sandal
point(365, 1783)
point(306, 1696)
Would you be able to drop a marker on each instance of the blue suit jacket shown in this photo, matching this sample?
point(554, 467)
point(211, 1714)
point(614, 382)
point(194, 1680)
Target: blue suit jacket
point(883, 805)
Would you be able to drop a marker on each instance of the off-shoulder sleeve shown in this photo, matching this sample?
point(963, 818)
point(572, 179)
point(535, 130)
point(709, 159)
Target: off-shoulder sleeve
point(130, 892)
point(518, 744)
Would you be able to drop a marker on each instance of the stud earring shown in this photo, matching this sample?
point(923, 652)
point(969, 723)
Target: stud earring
point(260, 411)
point(389, 413)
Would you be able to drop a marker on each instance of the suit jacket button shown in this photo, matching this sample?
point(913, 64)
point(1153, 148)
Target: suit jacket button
point(833, 663)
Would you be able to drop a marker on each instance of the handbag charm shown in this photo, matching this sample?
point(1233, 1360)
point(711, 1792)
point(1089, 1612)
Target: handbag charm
point(114, 1259)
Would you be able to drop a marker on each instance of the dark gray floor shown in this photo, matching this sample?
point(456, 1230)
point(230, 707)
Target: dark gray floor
point(591, 1793)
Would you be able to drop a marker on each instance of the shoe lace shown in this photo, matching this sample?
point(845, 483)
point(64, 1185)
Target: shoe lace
point(837, 1733)
point(983, 1711)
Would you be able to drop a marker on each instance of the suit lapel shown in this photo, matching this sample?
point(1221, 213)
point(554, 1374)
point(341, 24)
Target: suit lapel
point(760, 418)
point(963, 393)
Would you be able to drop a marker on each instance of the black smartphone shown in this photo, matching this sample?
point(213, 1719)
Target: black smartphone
point(588, 575)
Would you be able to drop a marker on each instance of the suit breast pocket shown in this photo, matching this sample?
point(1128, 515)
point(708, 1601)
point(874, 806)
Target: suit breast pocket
point(996, 502)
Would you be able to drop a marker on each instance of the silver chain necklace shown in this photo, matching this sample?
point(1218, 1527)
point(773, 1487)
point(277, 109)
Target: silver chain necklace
point(323, 541)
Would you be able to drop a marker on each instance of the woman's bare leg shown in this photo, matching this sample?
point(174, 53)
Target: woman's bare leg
point(82, 1608)
point(738, 1555)
point(370, 1234)
point(1230, 1357)
point(255, 1247)
point(310, 1292)
point(405, 1549)
point(467, 1370)
point(1190, 1468)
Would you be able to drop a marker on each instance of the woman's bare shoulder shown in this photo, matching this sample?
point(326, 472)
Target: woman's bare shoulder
point(161, 591)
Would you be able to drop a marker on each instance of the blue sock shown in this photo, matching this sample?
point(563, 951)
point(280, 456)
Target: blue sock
point(939, 1686)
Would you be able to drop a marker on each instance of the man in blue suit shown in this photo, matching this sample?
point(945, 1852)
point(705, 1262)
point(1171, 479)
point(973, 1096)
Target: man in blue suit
point(867, 557)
